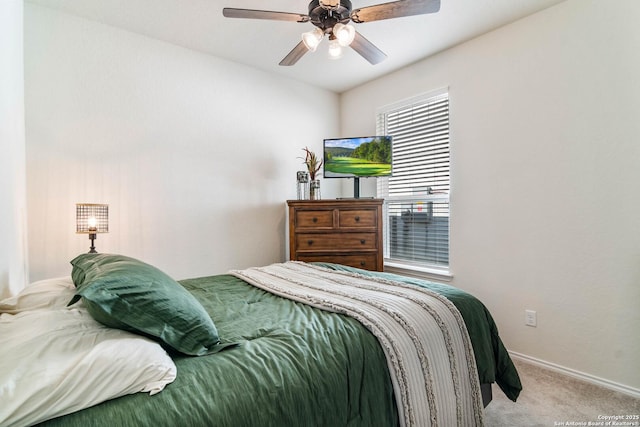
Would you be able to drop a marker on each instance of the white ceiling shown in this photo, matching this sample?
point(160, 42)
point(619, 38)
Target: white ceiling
point(199, 25)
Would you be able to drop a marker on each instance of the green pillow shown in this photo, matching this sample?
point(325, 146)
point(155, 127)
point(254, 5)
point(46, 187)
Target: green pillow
point(125, 293)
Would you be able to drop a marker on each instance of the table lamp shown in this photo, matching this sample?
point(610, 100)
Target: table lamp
point(91, 219)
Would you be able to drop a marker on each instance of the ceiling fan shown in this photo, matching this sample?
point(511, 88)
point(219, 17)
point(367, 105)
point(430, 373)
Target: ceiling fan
point(331, 17)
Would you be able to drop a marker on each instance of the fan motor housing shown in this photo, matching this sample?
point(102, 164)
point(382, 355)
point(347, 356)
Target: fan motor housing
point(325, 19)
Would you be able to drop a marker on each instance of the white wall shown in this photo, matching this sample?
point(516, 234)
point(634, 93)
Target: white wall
point(545, 168)
point(195, 155)
point(13, 254)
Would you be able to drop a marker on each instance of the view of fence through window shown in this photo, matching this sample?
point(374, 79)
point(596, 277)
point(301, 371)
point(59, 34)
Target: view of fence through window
point(417, 194)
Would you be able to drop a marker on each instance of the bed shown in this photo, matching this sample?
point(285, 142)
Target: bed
point(272, 361)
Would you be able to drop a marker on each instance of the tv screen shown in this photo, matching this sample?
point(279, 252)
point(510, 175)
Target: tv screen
point(367, 156)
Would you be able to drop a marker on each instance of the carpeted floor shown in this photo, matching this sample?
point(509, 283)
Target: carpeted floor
point(549, 398)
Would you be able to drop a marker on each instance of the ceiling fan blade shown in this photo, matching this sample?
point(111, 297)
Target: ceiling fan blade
point(230, 12)
point(295, 54)
point(367, 49)
point(396, 9)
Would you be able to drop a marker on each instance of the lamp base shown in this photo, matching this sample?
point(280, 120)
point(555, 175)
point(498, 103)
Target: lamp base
point(92, 249)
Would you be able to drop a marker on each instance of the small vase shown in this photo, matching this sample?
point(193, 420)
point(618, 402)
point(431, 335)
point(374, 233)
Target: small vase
point(303, 185)
point(314, 190)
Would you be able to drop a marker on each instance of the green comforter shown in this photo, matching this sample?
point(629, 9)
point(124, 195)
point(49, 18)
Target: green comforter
point(288, 364)
point(293, 365)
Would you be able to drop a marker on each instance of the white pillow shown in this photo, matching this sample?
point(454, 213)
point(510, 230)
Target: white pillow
point(55, 361)
point(45, 294)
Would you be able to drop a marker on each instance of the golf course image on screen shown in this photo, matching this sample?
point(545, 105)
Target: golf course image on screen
point(359, 157)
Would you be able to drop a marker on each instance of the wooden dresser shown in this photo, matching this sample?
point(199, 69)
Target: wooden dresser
point(343, 231)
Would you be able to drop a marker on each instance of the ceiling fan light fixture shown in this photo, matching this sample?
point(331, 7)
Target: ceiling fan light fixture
point(335, 50)
point(331, 17)
point(312, 39)
point(344, 34)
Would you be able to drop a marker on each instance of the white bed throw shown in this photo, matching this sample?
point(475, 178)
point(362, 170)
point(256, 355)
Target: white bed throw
point(423, 335)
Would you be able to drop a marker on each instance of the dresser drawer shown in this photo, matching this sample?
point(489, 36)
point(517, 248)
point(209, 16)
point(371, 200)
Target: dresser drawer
point(335, 241)
point(314, 219)
point(361, 218)
point(364, 261)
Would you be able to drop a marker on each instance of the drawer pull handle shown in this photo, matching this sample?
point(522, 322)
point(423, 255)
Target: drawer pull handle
point(362, 241)
point(362, 263)
point(310, 242)
point(314, 219)
point(357, 219)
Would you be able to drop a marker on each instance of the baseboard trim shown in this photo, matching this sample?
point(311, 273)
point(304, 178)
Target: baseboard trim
point(611, 385)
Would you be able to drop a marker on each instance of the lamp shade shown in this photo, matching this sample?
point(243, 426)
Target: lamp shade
point(312, 39)
point(344, 34)
point(92, 218)
point(335, 50)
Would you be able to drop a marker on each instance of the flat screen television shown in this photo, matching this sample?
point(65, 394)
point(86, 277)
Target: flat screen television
point(357, 157)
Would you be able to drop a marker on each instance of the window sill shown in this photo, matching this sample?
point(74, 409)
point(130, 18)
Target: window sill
point(418, 271)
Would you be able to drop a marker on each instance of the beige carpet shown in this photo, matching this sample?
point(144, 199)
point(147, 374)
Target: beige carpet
point(552, 399)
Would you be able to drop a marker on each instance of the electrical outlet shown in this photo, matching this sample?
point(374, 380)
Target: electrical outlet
point(530, 318)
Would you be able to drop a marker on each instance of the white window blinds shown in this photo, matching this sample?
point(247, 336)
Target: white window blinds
point(417, 194)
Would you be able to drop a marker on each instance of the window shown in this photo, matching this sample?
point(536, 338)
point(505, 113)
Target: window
point(417, 194)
